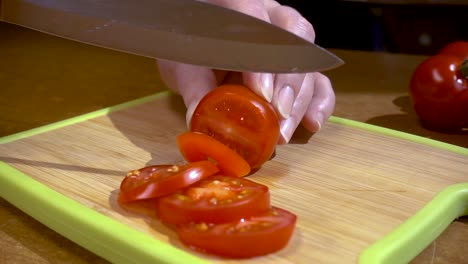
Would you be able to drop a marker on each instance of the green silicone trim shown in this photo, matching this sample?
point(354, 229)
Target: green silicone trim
point(119, 243)
point(334, 119)
point(410, 238)
point(80, 118)
point(106, 237)
point(400, 134)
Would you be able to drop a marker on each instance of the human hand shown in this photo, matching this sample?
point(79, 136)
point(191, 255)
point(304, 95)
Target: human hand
point(308, 98)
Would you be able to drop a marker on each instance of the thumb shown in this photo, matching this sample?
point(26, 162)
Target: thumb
point(190, 81)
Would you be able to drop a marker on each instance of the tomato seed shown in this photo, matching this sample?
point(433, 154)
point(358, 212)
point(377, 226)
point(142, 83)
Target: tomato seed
point(174, 168)
point(133, 172)
point(182, 197)
point(201, 227)
point(235, 182)
point(214, 200)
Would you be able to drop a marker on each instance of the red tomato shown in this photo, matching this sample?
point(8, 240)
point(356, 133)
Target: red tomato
point(198, 146)
point(256, 236)
point(457, 48)
point(240, 119)
point(439, 88)
point(214, 200)
point(159, 180)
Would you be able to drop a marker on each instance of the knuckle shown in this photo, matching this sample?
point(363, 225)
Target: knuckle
point(293, 21)
point(249, 7)
point(322, 80)
point(323, 83)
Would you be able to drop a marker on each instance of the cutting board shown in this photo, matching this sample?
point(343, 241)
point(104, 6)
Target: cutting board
point(356, 188)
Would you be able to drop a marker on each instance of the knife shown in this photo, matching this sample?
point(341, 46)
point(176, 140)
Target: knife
point(185, 31)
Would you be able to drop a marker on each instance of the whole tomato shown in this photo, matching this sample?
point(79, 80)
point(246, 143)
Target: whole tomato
point(457, 48)
point(439, 89)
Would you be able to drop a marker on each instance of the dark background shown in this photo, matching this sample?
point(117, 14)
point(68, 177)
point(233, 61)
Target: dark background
point(413, 27)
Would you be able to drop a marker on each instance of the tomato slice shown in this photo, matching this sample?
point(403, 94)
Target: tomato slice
point(159, 180)
point(256, 236)
point(196, 146)
point(241, 120)
point(214, 200)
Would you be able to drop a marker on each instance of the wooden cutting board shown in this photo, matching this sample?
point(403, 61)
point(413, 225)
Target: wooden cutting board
point(350, 185)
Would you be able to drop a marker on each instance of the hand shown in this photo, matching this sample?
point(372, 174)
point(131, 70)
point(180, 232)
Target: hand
point(307, 98)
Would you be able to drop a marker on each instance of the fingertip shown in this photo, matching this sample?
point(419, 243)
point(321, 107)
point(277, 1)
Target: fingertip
point(266, 86)
point(287, 128)
point(285, 101)
point(314, 123)
point(291, 19)
point(190, 81)
point(190, 110)
point(259, 83)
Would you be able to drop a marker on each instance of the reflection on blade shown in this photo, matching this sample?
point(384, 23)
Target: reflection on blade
point(180, 30)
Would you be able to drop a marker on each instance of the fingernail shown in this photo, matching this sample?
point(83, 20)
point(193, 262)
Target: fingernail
point(319, 121)
point(287, 127)
point(188, 116)
point(319, 126)
point(266, 84)
point(285, 101)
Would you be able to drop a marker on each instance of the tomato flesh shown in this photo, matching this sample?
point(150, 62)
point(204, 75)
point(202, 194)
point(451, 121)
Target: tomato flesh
point(159, 180)
point(245, 238)
point(213, 209)
point(216, 199)
point(241, 120)
point(196, 146)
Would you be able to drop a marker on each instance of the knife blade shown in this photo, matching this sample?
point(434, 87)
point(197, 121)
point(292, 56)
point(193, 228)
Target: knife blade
point(185, 31)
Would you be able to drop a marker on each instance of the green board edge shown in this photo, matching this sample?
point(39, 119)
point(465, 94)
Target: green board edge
point(415, 234)
point(121, 244)
point(400, 134)
point(98, 233)
point(94, 231)
point(80, 118)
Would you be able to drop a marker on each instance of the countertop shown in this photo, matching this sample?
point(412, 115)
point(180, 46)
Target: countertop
point(44, 79)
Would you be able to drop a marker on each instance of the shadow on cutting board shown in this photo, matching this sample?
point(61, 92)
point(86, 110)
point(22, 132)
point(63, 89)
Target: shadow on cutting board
point(144, 139)
point(178, 109)
point(409, 122)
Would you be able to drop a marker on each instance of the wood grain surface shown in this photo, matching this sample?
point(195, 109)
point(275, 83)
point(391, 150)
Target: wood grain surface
point(44, 79)
point(348, 186)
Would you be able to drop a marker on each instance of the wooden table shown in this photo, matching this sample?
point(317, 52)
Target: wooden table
point(45, 79)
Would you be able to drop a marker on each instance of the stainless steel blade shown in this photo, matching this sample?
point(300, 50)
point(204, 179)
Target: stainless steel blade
point(186, 31)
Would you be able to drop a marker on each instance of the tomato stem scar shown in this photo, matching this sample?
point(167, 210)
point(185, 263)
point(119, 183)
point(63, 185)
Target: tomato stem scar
point(464, 68)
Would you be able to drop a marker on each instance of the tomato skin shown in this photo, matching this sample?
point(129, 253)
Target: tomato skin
point(439, 90)
point(196, 146)
point(457, 48)
point(159, 180)
point(240, 119)
point(214, 200)
point(245, 238)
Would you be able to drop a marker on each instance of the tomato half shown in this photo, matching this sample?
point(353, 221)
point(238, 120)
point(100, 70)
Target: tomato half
point(256, 236)
point(196, 146)
point(216, 199)
point(240, 119)
point(159, 180)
